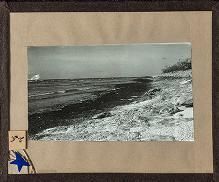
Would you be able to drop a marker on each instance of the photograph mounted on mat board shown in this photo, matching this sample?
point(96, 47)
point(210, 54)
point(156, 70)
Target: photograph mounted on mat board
point(121, 92)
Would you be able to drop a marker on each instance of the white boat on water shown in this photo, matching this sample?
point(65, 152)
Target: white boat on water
point(35, 77)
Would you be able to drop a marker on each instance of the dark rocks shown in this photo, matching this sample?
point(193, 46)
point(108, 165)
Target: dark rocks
point(152, 92)
point(188, 103)
point(174, 110)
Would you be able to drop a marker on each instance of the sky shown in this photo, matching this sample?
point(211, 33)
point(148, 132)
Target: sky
point(101, 61)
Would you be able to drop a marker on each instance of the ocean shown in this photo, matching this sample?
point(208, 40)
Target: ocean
point(64, 102)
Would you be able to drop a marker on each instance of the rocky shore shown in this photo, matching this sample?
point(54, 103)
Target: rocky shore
point(164, 113)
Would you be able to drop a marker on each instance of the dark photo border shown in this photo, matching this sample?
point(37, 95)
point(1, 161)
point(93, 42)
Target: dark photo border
point(102, 6)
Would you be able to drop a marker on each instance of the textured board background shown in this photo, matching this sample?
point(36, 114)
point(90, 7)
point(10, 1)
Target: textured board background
point(115, 28)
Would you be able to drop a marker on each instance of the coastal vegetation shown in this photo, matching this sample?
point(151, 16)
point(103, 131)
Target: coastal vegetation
point(181, 65)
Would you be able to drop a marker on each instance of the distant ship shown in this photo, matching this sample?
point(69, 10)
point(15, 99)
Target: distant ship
point(35, 77)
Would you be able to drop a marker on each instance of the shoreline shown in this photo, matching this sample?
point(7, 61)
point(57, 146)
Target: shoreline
point(76, 113)
point(163, 113)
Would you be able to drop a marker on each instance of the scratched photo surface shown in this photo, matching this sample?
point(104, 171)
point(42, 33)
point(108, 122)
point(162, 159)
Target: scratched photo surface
point(125, 92)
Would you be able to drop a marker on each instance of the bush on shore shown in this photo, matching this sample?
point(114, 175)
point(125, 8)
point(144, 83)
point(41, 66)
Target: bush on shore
point(181, 65)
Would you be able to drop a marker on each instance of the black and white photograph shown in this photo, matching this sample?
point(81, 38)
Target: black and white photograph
point(115, 92)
